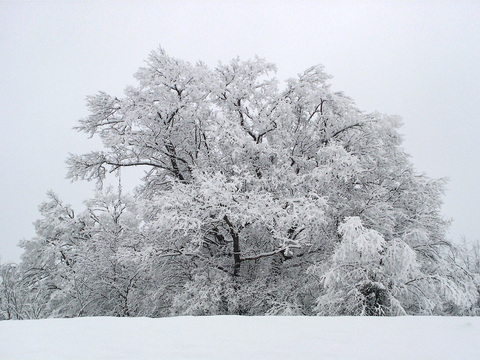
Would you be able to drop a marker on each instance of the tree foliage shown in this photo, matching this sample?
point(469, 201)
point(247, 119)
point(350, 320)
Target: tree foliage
point(256, 199)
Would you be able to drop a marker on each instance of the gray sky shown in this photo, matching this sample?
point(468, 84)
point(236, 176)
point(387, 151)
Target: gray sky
point(419, 60)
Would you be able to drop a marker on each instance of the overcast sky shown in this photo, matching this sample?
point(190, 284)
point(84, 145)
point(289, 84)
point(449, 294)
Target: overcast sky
point(418, 59)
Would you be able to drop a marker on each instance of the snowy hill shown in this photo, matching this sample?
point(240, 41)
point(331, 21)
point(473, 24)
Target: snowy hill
point(232, 337)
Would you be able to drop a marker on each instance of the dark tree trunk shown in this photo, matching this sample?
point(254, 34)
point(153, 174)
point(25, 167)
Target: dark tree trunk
point(236, 256)
point(173, 161)
point(236, 248)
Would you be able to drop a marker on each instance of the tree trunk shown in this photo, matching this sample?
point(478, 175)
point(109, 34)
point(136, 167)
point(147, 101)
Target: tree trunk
point(173, 160)
point(236, 256)
point(236, 248)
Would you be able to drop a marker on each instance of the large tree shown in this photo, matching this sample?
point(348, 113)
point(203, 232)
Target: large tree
point(256, 199)
point(244, 177)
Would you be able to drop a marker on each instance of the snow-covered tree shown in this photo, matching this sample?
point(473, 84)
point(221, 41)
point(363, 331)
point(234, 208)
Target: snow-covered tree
point(368, 275)
point(12, 294)
point(241, 172)
point(256, 199)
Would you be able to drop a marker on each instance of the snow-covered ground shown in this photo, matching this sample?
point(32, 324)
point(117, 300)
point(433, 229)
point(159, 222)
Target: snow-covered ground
point(233, 337)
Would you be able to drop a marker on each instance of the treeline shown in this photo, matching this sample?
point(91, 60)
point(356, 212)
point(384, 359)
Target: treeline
point(256, 200)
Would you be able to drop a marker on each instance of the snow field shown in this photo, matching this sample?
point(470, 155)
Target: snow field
point(235, 337)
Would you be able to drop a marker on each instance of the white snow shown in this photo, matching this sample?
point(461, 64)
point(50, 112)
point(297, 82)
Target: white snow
point(235, 337)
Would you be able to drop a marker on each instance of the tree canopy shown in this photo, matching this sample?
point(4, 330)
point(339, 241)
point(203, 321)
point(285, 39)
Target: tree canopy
point(256, 199)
